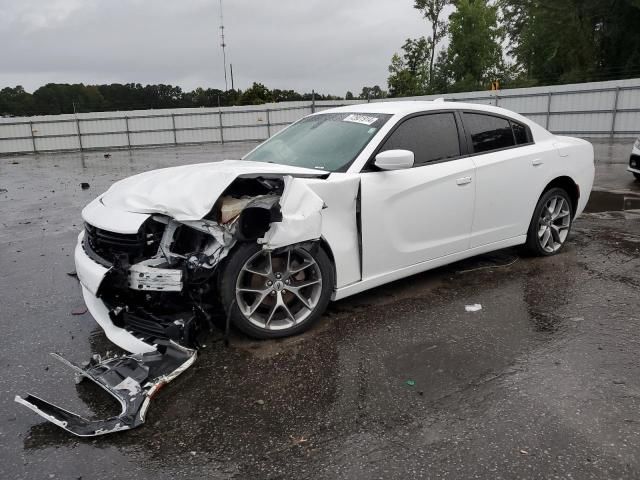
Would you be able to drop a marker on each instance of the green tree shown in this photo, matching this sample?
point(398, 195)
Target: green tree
point(409, 74)
point(475, 52)
point(16, 102)
point(257, 94)
point(373, 93)
point(432, 11)
point(573, 40)
point(349, 96)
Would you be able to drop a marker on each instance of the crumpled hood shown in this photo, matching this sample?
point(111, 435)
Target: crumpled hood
point(190, 191)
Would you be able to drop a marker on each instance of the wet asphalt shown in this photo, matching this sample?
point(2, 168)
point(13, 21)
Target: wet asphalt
point(397, 382)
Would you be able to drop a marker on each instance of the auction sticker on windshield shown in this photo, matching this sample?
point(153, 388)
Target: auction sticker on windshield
point(364, 119)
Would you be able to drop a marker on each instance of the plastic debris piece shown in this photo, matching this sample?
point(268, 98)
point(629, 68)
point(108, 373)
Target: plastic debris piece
point(411, 383)
point(79, 311)
point(476, 307)
point(72, 274)
point(524, 452)
point(85, 186)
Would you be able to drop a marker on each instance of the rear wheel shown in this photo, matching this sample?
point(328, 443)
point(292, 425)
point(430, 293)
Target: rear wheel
point(551, 223)
point(637, 175)
point(277, 293)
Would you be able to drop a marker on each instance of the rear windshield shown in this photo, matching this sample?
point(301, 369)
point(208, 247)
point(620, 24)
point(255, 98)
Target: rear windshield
point(330, 141)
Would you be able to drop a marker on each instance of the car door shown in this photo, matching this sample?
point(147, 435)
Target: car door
point(422, 213)
point(509, 173)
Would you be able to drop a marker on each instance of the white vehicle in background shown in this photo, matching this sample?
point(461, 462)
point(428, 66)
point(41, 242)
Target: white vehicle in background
point(339, 202)
point(634, 160)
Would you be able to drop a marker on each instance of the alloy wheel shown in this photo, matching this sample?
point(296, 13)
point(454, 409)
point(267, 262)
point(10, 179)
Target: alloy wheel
point(554, 224)
point(276, 291)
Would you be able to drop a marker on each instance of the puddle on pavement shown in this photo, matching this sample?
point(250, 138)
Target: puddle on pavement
point(601, 201)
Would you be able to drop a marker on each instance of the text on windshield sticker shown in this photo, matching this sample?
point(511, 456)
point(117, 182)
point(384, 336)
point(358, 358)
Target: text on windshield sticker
point(363, 119)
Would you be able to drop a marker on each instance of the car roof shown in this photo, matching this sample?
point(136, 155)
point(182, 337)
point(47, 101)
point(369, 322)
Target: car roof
point(405, 107)
point(408, 107)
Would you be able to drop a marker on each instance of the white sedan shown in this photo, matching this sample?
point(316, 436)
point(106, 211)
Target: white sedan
point(340, 202)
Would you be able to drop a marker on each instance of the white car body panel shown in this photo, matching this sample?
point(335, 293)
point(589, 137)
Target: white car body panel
point(505, 183)
point(112, 219)
point(187, 192)
point(410, 220)
point(415, 215)
point(301, 210)
point(339, 223)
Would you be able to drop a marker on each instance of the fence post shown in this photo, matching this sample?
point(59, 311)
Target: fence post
point(33, 138)
point(313, 101)
point(268, 124)
point(79, 134)
point(615, 112)
point(126, 124)
point(173, 123)
point(548, 110)
point(221, 129)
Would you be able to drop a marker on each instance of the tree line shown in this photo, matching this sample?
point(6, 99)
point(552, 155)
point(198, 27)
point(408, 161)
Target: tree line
point(468, 45)
point(471, 44)
point(57, 98)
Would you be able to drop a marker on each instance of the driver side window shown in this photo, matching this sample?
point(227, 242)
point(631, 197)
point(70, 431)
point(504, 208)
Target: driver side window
point(431, 137)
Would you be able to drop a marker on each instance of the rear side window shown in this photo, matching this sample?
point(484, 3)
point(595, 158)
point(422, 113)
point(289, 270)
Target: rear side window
point(520, 132)
point(489, 133)
point(431, 138)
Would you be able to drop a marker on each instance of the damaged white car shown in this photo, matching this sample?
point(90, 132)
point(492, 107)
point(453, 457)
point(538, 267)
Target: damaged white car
point(339, 202)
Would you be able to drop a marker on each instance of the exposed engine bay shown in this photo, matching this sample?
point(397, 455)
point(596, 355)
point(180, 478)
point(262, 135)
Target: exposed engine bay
point(162, 280)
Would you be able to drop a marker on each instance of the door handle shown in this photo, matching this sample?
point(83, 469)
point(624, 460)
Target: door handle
point(463, 180)
point(536, 162)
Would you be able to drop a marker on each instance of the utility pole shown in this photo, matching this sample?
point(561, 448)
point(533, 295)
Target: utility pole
point(224, 46)
point(231, 67)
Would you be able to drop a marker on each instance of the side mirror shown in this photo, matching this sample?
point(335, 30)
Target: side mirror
point(394, 160)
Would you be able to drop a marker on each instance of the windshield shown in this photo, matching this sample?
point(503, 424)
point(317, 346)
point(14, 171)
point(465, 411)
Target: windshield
point(330, 141)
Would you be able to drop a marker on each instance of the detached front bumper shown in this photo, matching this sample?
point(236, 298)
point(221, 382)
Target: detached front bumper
point(91, 274)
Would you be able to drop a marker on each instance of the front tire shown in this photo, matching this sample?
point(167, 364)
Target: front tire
point(273, 294)
point(551, 223)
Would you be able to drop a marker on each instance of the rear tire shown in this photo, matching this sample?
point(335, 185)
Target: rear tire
point(274, 294)
point(551, 223)
point(637, 175)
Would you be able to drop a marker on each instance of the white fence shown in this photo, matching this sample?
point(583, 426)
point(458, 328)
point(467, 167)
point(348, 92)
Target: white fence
point(587, 110)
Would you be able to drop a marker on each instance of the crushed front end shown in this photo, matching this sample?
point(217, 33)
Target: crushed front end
point(150, 282)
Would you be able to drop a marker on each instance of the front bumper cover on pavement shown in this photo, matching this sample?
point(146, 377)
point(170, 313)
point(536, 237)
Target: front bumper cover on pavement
point(133, 380)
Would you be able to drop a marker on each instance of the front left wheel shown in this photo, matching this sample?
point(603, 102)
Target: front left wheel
point(279, 293)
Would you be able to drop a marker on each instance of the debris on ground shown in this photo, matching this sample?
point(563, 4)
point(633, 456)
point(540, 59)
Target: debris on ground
point(73, 274)
point(476, 307)
point(107, 155)
point(411, 383)
point(79, 311)
point(3, 190)
point(524, 452)
point(298, 440)
point(85, 186)
point(133, 380)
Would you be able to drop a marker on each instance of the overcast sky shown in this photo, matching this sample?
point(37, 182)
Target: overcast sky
point(328, 45)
